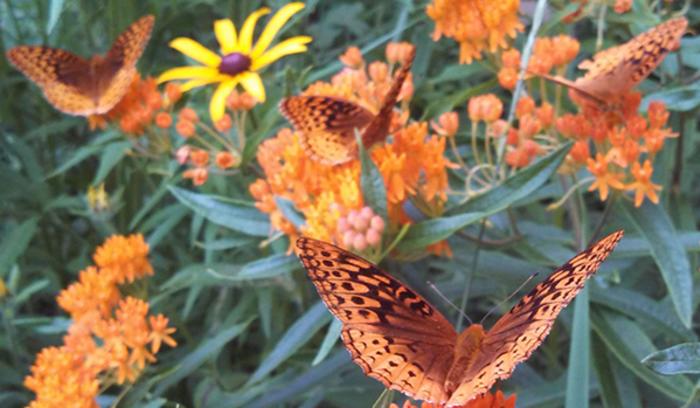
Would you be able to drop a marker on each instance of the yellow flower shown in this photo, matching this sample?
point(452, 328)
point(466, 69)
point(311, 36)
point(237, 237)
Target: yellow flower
point(240, 59)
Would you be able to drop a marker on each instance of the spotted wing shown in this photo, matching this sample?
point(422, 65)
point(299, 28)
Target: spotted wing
point(62, 76)
point(326, 125)
point(520, 331)
point(378, 129)
point(115, 72)
point(392, 333)
point(617, 70)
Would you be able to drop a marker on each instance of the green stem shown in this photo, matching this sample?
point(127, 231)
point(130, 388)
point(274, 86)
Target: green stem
point(470, 278)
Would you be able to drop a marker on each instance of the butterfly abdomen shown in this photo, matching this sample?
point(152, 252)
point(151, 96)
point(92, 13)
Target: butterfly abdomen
point(468, 343)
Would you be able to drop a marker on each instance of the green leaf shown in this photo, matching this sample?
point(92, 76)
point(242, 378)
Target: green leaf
point(332, 336)
point(293, 339)
point(434, 230)
point(206, 350)
point(679, 359)
point(246, 220)
point(372, 183)
point(55, 9)
point(286, 206)
point(269, 267)
point(627, 341)
point(310, 378)
point(652, 222)
point(15, 243)
point(515, 187)
point(484, 205)
point(578, 372)
point(111, 155)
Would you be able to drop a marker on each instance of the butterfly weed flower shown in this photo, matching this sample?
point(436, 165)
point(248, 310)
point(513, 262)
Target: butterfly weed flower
point(112, 337)
point(477, 25)
point(240, 59)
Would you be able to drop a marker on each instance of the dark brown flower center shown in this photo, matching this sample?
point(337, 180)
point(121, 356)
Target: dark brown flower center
point(234, 63)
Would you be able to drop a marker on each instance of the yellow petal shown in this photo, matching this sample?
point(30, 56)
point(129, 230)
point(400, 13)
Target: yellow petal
point(226, 35)
point(195, 83)
point(246, 40)
point(196, 51)
point(274, 25)
point(253, 84)
point(294, 45)
point(217, 106)
point(187, 73)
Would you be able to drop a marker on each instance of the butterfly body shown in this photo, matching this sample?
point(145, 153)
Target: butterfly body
point(398, 338)
point(80, 86)
point(327, 124)
point(615, 71)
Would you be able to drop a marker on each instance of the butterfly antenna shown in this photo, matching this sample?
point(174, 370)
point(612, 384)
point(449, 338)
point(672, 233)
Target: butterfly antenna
point(522, 285)
point(446, 300)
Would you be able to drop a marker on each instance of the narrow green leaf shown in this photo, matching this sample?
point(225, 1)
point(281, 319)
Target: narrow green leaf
point(627, 341)
point(294, 338)
point(434, 230)
point(310, 378)
point(372, 183)
point(516, 187)
point(246, 220)
point(111, 155)
point(679, 359)
point(652, 222)
point(329, 341)
point(578, 372)
point(286, 206)
point(272, 266)
point(81, 154)
point(15, 243)
point(55, 9)
point(205, 350)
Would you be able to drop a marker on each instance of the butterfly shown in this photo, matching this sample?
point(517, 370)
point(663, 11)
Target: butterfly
point(327, 123)
point(615, 71)
point(398, 338)
point(85, 87)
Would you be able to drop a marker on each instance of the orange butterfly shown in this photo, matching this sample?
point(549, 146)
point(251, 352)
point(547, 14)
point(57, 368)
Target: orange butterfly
point(398, 338)
point(327, 123)
point(83, 87)
point(615, 71)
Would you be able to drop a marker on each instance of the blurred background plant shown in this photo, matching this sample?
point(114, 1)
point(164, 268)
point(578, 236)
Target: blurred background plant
point(477, 190)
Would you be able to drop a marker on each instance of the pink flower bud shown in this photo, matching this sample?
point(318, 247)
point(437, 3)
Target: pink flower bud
point(360, 223)
point(373, 237)
point(182, 154)
point(366, 212)
point(342, 224)
point(351, 217)
point(377, 223)
point(348, 238)
point(360, 243)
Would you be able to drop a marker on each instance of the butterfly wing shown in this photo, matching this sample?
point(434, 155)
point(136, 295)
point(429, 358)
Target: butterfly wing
point(392, 333)
point(616, 70)
point(115, 72)
point(520, 331)
point(326, 125)
point(60, 74)
point(378, 129)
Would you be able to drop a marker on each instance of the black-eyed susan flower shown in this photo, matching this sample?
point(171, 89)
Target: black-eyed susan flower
point(240, 59)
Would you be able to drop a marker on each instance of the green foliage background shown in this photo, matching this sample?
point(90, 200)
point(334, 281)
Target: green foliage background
point(254, 333)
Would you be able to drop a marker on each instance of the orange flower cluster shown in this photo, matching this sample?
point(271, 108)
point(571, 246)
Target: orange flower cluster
point(412, 165)
point(625, 145)
point(108, 342)
point(533, 121)
point(617, 146)
point(477, 25)
point(487, 400)
point(212, 138)
point(548, 53)
point(140, 107)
